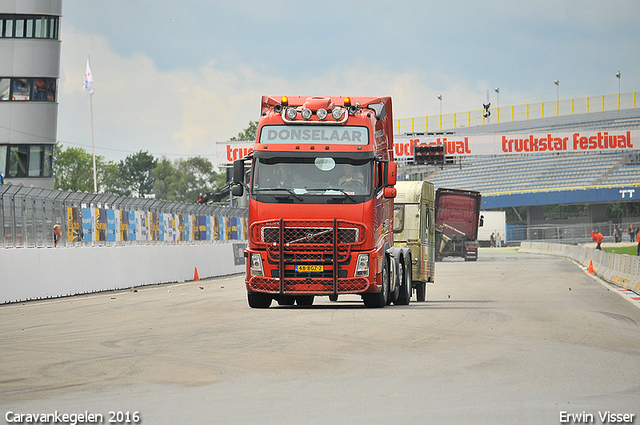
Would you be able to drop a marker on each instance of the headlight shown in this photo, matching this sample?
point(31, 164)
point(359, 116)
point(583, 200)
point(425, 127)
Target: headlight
point(306, 113)
point(337, 113)
point(321, 113)
point(291, 113)
point(256, 265)
point(362, 267)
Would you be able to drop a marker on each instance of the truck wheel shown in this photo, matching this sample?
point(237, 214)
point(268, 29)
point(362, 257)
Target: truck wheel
point(397, 279)
point(258, 300)
point(286, 300)
point(379, 300)
point(304, 300)
point(406, 280)
point(421, 291)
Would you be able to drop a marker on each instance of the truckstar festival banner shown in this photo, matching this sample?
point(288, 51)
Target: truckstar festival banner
point(522, 143)
point(488, 144)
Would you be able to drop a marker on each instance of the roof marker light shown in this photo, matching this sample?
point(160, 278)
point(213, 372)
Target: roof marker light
point(321, 113)
point(284, 101)
point(291, 113)
point(347, 101)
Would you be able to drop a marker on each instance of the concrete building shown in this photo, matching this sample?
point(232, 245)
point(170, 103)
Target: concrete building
point(29, 78)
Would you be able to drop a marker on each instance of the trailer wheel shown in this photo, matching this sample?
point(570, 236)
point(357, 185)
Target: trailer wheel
point(421, 291)
point(304, 300)
point(379, 300)
point(258, 300)
point(405, 282)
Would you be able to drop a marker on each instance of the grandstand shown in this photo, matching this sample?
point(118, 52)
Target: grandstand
point(535, 180)
point(510, 173)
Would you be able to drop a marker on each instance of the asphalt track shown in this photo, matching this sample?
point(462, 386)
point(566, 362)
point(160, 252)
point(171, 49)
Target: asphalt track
point(512, 338)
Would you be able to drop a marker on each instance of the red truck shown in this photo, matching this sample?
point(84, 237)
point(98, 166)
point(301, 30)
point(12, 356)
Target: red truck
point(321, 191)
point(457, 221)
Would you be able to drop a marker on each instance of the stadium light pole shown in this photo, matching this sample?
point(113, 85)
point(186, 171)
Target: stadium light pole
point(618, 75)
point(497, 90)
point(440, 98)
point(557, 83)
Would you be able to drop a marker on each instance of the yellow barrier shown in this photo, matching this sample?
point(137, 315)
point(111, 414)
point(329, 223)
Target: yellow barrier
point(558, 189)
point(528, 111)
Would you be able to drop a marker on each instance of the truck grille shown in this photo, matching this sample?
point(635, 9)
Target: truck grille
point(309, 235)
point(302, 286)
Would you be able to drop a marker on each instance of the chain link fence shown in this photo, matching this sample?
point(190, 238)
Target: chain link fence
point(572, 233)
point(28, 216)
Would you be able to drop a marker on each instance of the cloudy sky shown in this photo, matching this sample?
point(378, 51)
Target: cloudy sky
point(173, 78)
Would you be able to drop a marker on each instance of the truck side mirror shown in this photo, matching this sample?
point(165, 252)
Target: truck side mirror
point(390, 192)
point(392, 173)
point(238, 171)
point(238, 177)
point(237, 190)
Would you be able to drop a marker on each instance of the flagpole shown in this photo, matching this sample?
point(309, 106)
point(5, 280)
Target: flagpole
point(93, 147)
point(88, 86)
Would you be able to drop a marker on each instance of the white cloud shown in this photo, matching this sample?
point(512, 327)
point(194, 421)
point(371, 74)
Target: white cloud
point(185, 112)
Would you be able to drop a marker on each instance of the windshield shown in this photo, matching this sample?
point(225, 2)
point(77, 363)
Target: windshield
point(317, 176)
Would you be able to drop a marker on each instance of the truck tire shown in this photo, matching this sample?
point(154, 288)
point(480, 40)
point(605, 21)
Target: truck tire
point(405, 282)
point(396, 278)
point(286, 300)
point(258, 300)
point(304, 300)
point(379, 300)
point(421, 291)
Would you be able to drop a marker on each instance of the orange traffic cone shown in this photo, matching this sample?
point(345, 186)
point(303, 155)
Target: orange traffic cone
point(195, 275)
point(590, 269)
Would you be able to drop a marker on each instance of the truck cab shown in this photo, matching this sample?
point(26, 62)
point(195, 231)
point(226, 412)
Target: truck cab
point(321, 190)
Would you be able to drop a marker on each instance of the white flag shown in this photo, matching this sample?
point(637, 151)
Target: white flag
point(88, 79)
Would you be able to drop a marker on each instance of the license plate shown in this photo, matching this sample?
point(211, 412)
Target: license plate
point(310, 268)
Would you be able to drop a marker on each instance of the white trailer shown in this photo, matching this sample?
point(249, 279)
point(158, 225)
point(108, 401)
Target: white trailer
point(493, 222)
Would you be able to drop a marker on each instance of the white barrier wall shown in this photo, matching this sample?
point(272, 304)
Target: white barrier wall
point(29, 274)
point(618, 269)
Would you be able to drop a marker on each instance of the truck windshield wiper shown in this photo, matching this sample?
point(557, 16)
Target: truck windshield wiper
point(336, 189)
point(272, 189)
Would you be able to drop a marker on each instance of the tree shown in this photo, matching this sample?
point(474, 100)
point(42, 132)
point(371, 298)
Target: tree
point(185, 180)
point(248, 134)
point(73, 170)
point(137, 174)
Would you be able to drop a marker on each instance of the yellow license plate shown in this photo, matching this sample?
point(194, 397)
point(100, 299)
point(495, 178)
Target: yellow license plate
point(310, 268)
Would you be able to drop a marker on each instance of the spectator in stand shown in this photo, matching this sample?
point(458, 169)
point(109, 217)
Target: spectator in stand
point(57, 234)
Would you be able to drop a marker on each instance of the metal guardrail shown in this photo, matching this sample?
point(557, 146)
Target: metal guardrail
point(28, 216)
point(527, 111)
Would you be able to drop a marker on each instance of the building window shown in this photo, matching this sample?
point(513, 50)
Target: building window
point(36, 89)
point(5, 85)
point(21, 89)
point(26, 160)
point(26, 26)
